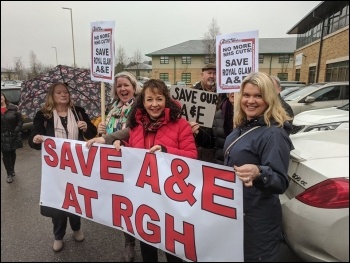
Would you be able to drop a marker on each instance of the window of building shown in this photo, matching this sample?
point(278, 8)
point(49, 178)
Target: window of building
point(337, 71)
point(261, 59)
point(284, 58)
point(164, 60)
point(186, 77)
point(282, 76)
point(164, 76)
point(186, 60)
point(312, 75)
point(297, 74)
point(335, 21)
point(209, 59)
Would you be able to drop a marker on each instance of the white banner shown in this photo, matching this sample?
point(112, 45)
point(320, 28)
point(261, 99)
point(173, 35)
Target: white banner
point(186, 207)
point(102, 51)
point(237, 55)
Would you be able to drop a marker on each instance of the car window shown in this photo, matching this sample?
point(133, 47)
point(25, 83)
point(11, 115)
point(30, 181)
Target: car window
point(12, 95)
point(301, 93)
point(326, 94)
point(286, 92)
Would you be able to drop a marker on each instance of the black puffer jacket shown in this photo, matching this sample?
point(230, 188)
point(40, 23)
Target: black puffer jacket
point(11, 125)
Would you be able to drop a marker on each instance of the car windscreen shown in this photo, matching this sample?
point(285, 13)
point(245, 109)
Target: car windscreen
point(12, 95)
point(286, 92)
point(300, 93)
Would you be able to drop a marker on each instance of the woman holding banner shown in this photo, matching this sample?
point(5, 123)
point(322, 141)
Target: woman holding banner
point(155, 123)
point(124, 92)
point(258, 149)
point(60, 118)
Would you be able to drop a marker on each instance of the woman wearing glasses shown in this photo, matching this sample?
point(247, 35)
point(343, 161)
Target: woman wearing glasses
point(60, 118)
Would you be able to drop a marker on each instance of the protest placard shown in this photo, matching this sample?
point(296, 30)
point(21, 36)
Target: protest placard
point(102, 51)
point(197, 105)
point(237, 55)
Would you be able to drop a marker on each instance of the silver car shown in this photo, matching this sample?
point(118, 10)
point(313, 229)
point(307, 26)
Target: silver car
point(315, 206)
point(332, 94)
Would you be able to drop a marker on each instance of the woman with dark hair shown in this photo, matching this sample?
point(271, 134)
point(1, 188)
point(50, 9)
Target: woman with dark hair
point(11, 125)
point(60, 118)
point(155, 123)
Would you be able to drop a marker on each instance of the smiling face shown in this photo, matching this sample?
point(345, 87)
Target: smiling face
point(124, 89)
point(208, 78)
point(252, 102)
point(154, 103)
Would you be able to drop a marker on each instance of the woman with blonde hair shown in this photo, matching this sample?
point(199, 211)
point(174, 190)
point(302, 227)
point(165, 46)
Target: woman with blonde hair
point(125, 89)
point(258, 149)
point(60, 118)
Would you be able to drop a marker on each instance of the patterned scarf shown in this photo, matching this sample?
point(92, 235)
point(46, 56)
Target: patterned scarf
point(117, 116)
point(152, 125)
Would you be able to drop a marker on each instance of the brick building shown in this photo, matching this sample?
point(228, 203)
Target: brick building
point(322, 51)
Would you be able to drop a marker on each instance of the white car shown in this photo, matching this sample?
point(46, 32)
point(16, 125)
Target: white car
point(322, 119)
point(319, 96)
point(315, 206)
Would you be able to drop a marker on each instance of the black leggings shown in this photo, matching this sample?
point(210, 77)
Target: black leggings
point(60, 224)
point(150, 254)
point(9, 160)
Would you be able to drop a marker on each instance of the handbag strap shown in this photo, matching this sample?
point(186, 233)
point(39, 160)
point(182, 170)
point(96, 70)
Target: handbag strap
point(232, 143)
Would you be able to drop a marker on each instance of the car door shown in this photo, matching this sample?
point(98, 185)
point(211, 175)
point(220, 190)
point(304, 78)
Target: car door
point(325, 97)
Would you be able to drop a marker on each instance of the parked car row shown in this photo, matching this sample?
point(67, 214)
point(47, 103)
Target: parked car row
point(319, 96)
point(315, 206)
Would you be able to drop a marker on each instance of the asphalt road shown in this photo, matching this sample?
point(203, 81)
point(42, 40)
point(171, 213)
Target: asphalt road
point(27, 236)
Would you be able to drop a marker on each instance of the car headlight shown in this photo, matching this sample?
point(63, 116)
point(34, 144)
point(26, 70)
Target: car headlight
point(323, 127)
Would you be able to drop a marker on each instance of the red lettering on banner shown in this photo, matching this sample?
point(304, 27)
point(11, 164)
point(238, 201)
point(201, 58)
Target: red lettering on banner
point(141, 212)
point(88, 195)
point(118, 211)
point(210, 190)
point(70, 199)
point(149, 163)
point(186, 238)
point(67, 158)
point(49, 145)
point(180, 171)
point(105, 164)
point(86, 167)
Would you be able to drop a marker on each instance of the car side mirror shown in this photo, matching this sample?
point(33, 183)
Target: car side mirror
point(310, 99)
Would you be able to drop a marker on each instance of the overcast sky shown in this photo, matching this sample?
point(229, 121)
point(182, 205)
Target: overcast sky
point(144, 26)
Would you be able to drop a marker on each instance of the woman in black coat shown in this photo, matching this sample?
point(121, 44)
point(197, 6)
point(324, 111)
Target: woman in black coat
point(11, 125)
point(60, 118)
point(258, 149)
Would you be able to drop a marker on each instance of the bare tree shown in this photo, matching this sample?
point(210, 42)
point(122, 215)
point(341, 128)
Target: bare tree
point(19, 68)
point(209, 40)
point(120, 60)
point(137, 59)
point(35, 65)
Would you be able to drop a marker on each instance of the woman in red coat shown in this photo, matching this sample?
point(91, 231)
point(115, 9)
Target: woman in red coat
point(155, 123)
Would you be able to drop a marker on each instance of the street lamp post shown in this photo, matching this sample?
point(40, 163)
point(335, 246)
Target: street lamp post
point(71, 20)
point(56, 54)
